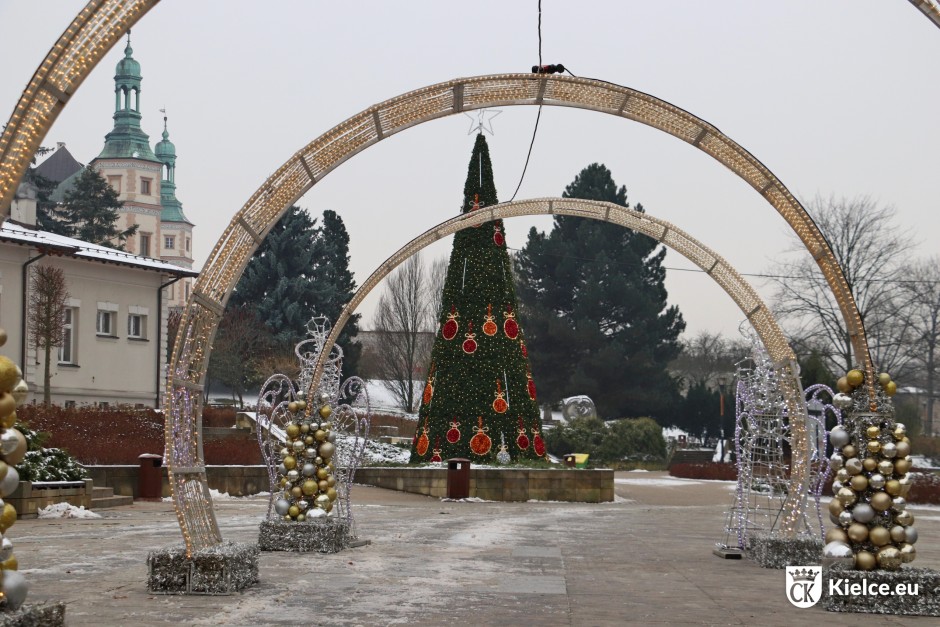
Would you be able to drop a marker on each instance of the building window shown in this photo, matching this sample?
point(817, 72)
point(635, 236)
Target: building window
point(115, 183)
point(187, 244)
point(105, 323)
point(69, 404)
point(136, 326)
point(145, 187)
point(169, 242)
point(144, 245)
point(186, 286)
point(67, 350)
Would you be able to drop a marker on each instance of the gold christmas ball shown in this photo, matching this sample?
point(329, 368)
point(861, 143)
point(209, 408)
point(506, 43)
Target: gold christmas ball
point(12, 564)
point(903, 449)
point(836, 507)
point(322, 485)
point(891, 389)
point(4, 469)
point(294, 511)
point(874, 446)
point(283, 482)
point(331, 481)
point(849, 451)
point(322, 501)
point(902, 466)
point(293, 430)
point(884, 379)
point(855, 378)
point(907, 553)
point(889, 558)
point(20, 392)
point(869, 464)
point(8, 374)
point(7, 404)
point(853, 466)
point(310, 487)
point(8, 422)
point(843, 385)
point(331, 493)
point(3, 337)
point(309, 440)
point(881, 501)
point(864, 560)
point(17, 454)
point(899, 431)
point(837, 535)
point(326, 426)
point(292, 407)
point(290, 462)
point(858, 532)
point(327, 449)
point(898, 534)
point(893, 487)
point(842, 475)
point(879, 536)
point(296, 492)
point(305, 428)
point(7, 517)
point(859, 483)
point(325, 412)
point(885, 467)
point(320, 435)
point(904, 518)
point(873, 432)
point(322, 472)
point(846, 495)
point(301, 405)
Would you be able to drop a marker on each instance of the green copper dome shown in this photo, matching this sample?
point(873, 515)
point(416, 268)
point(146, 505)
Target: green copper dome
point(127, 67)
point(127, 140)
point(172, 207)
point(165, 150)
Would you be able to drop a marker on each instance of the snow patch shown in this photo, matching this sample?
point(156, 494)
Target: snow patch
point(66, 510)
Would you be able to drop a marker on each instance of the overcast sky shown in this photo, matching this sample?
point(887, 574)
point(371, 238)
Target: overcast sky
point(836, 97)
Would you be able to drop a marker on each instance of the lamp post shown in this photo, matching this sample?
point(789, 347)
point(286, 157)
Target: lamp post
point(723, 381)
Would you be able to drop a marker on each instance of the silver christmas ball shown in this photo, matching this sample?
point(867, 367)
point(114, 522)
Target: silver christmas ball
point(293, 475)
point(842, 401)
point(836, 461)
point(6, 549)
point(853, 466)
point(14, 588)
point(284, 452)
point(309, 470)
point(311, 452)
point(281, 470)
point(910, 534)
point(298, 445)
point(503, 457)
point(281, 506)
point(889, 450)
point(863, 512)
point(10, 483)
point(8, 441)
point(839, 437)
point(877, 481)
point(836, 485)
point(303, 505)
point(331, 438)
point(323, 397)
point(838, 553)
point(845, 518)
point(899, 504)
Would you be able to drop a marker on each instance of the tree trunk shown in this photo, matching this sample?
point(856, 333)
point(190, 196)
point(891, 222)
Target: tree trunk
point(47, 377)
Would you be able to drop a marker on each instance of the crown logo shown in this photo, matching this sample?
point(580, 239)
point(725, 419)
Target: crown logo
point(803, 575)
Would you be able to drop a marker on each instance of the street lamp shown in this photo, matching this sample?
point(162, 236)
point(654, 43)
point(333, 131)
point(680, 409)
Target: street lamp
point(723, 380)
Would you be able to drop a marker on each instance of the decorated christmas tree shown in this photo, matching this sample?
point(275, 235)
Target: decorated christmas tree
point(479, 388)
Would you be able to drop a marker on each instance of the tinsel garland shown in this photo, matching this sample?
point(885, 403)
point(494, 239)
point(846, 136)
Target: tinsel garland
point(222, 569)
point(39, 615)
point(322, 535)
point(774, 551)
point(925, 603)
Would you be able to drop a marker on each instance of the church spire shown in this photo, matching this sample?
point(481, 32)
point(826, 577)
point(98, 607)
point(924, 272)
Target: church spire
point(166, 152)
point(127, 139)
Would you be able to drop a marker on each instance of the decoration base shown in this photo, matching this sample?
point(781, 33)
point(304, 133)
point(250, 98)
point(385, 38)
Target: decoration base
point(224, 569)
point(728, 553)
point(772, 551)
point(925, 603)
point(40, 615)
point(321, 536)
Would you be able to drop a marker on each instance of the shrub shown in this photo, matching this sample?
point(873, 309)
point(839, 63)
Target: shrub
point(705, 470)
point(631, 439)
point(925, 489)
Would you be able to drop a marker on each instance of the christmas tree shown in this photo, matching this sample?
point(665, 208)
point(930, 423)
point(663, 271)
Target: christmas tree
point(479, 387)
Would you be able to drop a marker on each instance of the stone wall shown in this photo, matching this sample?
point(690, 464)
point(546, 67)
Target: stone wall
point(234, 480)
point(29, 497)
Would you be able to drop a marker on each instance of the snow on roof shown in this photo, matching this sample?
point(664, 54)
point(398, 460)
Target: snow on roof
point(15, 233)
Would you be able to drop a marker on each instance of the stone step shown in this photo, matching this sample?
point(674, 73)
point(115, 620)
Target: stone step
point(111, 501)
point(101, 493)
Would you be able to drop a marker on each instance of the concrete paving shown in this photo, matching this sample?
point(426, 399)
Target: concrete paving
point(645, 559)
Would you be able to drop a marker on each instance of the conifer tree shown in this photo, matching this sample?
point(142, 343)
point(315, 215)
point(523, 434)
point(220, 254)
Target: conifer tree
point(479, 388)
point(91, 211)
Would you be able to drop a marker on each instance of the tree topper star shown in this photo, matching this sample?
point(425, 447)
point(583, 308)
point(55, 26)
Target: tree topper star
point(482, 121)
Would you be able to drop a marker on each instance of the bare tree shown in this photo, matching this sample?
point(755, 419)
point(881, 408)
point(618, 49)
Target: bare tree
point(921, 317)
point(871, 249)
point(705, 356)
point(46, 317)
point(401, 320)
point(241, 345)
point(437, 274)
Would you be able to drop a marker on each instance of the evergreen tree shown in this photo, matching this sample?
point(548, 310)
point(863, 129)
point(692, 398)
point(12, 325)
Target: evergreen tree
point(301, 270)
point(479, 388)
point(90, 210)
point(48, 215)
point(595, 302)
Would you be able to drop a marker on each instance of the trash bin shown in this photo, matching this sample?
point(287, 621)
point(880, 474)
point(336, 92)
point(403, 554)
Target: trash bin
point(458, 478)
point(150, 476)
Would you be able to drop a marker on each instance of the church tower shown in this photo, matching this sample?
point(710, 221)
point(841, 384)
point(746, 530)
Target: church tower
point(128, 163)
point(176, 231)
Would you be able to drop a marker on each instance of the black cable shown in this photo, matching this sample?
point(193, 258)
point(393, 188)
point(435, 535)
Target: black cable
point(537, 117)
point(540, 33)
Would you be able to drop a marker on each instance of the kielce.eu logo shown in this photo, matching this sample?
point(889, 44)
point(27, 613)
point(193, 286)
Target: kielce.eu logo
point(804, 585)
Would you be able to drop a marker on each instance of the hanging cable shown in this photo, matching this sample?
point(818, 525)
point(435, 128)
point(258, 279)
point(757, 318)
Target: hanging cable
point(538, 115)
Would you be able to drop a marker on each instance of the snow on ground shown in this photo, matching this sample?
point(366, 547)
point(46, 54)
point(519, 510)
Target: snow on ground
point(66, 510)
point(382, 401)
point(667, 481)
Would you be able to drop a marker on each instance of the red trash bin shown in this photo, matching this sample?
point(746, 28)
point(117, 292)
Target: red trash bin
point(458, 478)
point(150, 476)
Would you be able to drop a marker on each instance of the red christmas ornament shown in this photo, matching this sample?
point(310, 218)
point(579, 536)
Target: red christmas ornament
point(522, 440)
point(499, 403)
point(453, 434)
point(530, 385)
point(489, 327)
point(480, 443)
point(469, 344)
point(423, 442)
point(429, 387)
point(538, 444)
point(510, 326)
point(525, 352)
point(437, 451)
point(449, 330)
point(498, 238)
